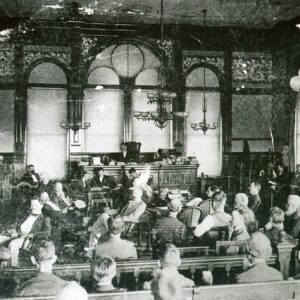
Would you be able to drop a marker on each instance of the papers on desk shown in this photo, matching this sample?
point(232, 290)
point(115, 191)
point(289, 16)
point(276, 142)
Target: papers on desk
point(97, 161)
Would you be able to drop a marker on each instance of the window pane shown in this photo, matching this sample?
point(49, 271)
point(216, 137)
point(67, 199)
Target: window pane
point(145, 132)
point(207, 148)
point(47, 147)
point(104, 109)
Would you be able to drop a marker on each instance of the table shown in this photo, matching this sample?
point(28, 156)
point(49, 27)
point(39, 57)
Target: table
point(170, 176)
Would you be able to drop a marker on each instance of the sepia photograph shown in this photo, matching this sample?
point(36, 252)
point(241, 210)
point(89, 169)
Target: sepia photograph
point(149, 149)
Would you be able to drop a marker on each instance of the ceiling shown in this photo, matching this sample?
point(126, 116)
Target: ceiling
point(241, 13)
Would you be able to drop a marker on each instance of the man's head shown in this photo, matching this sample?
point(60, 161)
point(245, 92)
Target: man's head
point(132, 172)
point(123, 147)
point(100, 171)
point(30, 168)
point(219, 200)
point(241, 200)
point(36, 206)
point(169, 255)
point(43, 255)
point(44, 178)
point(211, 190)
point(293, 205)
point(58, 187)
point(175, 205)
point(44, 198)
point(72, 291)
point(104, 269)
point(255, 188)
point(258, 247)
point(115, 225)
point(85, 175)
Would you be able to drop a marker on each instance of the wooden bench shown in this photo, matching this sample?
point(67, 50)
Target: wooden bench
point(137, 267)
point(277, 290)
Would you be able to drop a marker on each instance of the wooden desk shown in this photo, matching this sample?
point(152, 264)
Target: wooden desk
point(164, 176)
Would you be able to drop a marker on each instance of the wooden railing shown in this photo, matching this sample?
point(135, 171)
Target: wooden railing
point(277, 290)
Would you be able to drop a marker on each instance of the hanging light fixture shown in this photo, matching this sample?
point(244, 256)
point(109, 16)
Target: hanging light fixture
point(162, 97)
point(204, 125)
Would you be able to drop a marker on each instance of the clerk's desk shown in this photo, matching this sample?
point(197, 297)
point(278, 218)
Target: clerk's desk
point(163, 176)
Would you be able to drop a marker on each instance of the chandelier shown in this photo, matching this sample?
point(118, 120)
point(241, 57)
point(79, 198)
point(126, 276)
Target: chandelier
point(204, 125)
point(162, 97)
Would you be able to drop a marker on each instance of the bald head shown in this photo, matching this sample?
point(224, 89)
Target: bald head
point(241, 200)
point(293, 204)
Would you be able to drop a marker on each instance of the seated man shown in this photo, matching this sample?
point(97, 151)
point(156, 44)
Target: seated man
point(241, 203)
point(116, 247)
point(59, 197)
point(103, 272)
point(254, 199)
point(35, 226)
point(259, 250)
point(168, 262)
point(293, 213)
point(44, 184)
point(44, 283)
point(31, 176)
point(99, 229)
point(84, 184)
point(238, 231)
point(218, 218)
point(100, 180)
point(124, 156)
point(49, 206)
point(170, 223)
point(136, 207)
point(274, 230)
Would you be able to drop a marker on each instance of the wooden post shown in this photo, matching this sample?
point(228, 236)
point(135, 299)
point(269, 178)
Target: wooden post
point(284, 257)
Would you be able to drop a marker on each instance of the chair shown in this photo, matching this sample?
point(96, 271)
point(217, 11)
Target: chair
point(215, 234)
point(97, 198)
point(190, 216)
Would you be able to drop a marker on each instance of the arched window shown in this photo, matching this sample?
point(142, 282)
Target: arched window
point(46, 109)
point(119, 79)
point(207, 148)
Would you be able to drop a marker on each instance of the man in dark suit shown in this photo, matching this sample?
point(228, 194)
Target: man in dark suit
point(124, 156)
point(101, 180)
point(31, 176)
point(84, 184)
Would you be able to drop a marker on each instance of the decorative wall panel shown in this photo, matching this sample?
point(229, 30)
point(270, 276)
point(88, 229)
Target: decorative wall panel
point(7, 70)
point(190, 61)
point(252, 67)
point(251, 116)
point(34, 53)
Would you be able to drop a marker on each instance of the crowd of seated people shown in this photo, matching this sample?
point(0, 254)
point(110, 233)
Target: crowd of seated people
point(104, 243)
